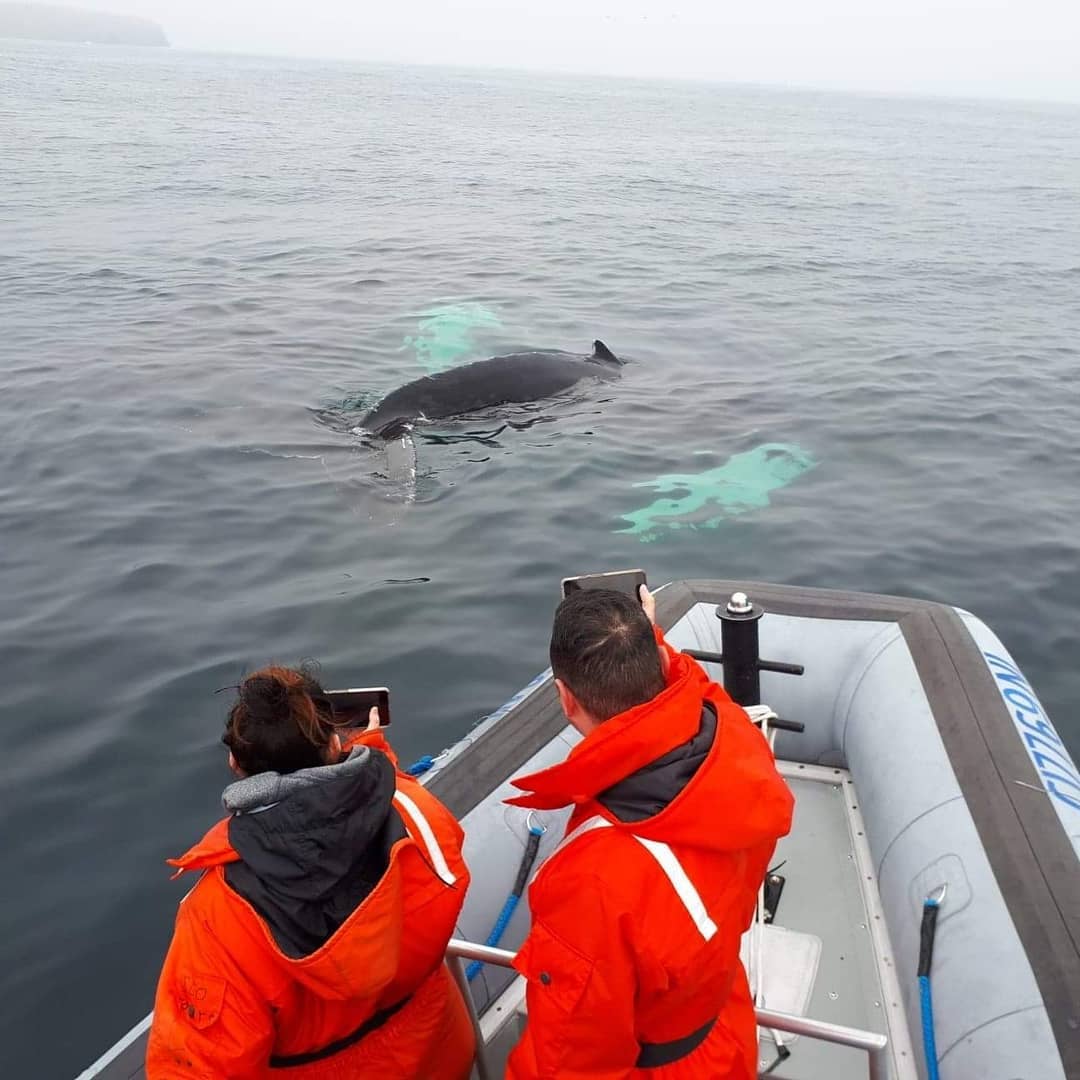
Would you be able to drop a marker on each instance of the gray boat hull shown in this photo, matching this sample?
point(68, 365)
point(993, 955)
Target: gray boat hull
point(926, 759)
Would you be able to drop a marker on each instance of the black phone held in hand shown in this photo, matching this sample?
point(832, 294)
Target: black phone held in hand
point(624, 581)
point(351, 707)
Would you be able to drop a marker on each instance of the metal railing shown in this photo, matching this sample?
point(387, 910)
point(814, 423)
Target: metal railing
point(875, 1044)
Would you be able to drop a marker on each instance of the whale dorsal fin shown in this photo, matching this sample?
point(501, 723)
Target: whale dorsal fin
point(602, 352)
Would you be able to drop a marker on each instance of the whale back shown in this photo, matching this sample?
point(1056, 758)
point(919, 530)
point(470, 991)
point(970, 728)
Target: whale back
point(501, 380)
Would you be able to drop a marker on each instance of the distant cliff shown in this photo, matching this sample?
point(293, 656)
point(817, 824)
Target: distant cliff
point(48, 23)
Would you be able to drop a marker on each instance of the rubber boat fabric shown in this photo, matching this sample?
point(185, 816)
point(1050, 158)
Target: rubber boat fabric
point(312, 946)
point(632, 963)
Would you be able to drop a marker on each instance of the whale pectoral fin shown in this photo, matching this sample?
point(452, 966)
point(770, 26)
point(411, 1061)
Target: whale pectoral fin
point(401, 467)
point(602, 352)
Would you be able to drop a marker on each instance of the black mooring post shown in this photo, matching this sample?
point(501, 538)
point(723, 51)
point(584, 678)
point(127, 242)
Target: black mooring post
point(739, 645)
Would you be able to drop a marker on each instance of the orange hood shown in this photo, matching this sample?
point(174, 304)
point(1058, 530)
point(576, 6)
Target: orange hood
point(691, 753)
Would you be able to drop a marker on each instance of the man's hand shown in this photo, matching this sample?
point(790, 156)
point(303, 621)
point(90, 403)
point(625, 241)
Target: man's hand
point(648, 603)
point(373, 719)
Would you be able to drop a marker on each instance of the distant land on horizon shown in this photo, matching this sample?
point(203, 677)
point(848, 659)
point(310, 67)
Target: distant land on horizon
point(48, 22)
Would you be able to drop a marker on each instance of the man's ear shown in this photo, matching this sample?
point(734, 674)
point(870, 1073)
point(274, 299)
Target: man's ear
point(665, 661)
point(234, 767)
point(333, 749)
point(580, 718)
point(569, 703)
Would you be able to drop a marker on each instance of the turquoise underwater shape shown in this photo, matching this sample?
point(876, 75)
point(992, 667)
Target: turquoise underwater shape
point(704, 500)
point(445, 334)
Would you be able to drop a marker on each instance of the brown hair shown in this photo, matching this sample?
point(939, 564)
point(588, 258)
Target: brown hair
point(281, 722)
point(604, 649)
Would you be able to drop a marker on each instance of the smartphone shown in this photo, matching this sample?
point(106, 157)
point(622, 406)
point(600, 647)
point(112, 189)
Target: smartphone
point(351, 707)
point(624, 581)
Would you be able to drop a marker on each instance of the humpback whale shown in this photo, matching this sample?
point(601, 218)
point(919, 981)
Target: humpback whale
point(501, 380)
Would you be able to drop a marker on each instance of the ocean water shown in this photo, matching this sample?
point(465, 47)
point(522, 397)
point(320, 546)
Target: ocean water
point(208, 265)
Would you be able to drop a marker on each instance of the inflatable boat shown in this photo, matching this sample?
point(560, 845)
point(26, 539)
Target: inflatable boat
point(936, 808)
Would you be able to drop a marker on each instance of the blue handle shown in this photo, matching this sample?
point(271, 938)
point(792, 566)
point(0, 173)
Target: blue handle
point(927, 933)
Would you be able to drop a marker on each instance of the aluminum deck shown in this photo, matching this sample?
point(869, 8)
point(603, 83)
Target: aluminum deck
point(831, 892)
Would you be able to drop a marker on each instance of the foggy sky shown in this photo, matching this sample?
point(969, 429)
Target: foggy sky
point(997, 48)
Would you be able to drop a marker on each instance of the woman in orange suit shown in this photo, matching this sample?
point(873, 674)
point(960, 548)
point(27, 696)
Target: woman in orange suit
point(312, 945)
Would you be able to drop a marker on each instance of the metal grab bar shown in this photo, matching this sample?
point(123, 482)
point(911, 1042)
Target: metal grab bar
point(872, 1042)
point(469, 950)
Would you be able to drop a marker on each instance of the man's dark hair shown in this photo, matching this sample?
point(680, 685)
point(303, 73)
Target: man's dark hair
point(603, 648)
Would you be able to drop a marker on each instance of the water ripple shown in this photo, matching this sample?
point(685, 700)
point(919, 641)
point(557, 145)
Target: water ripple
point(209, 266)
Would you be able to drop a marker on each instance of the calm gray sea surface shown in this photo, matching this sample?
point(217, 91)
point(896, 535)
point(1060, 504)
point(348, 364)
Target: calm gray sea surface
point(207, 262)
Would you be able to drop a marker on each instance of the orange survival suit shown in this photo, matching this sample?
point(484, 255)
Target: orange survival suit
point(632, 963)
point(312, 946)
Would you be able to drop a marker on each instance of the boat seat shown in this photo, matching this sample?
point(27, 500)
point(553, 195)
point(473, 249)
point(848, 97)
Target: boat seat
point(789, 963)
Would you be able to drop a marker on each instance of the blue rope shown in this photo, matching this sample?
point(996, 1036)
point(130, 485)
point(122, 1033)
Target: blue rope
point(929, 1045)
point(418, 768)
point(927, 933)
point(497, 932)
point(532, 845)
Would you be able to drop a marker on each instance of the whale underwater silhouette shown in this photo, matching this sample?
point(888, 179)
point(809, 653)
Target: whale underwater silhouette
point(501, 380)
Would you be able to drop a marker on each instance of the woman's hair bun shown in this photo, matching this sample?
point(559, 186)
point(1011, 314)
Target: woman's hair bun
point(282, 721)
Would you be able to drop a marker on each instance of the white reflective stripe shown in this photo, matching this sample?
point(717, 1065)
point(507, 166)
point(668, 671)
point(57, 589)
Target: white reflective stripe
point(690, 897)
point(668, 861)
point(586, 826)
point(420, 825)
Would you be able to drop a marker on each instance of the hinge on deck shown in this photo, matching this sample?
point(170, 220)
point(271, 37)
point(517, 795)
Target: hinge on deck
point(774, 886)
